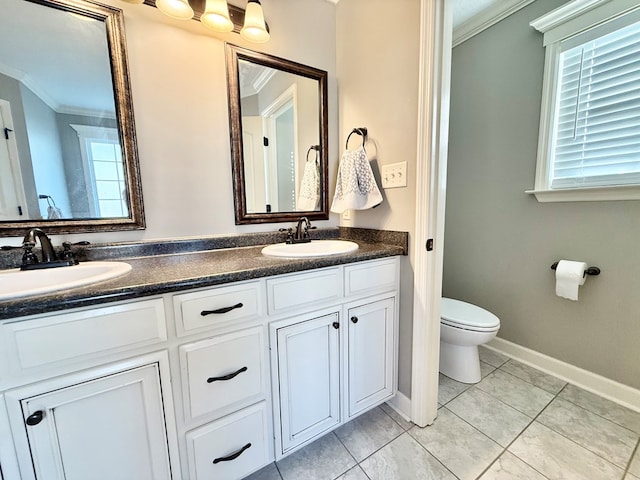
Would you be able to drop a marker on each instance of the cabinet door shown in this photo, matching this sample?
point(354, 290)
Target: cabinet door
point(109, 428)
point(371, 345)
point(308, 357)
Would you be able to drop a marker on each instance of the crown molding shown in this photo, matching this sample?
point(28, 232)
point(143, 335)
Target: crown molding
point(486, 19)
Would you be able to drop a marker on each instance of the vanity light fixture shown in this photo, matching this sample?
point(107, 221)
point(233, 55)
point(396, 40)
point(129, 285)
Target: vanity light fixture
point(218, 15)
point(254, 28)
point(178, 9)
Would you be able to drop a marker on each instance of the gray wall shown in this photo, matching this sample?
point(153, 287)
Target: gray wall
point(500, 242)
point(46, 152)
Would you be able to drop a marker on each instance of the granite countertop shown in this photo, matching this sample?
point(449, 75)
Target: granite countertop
point(168, 272)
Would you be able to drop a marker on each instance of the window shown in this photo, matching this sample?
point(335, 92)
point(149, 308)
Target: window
point(104, 171)
point(589, 143)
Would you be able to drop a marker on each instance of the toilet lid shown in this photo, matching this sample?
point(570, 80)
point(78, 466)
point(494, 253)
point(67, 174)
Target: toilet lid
point(455, 312)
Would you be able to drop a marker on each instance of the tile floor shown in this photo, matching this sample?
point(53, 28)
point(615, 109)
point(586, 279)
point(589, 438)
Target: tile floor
point(517, 423)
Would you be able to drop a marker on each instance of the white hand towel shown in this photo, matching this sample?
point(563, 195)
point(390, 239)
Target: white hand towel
point(569, 276)
point(309, 196)
point(356, 187)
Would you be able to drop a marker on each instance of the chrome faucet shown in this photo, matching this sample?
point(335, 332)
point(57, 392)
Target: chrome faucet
point(49, 258)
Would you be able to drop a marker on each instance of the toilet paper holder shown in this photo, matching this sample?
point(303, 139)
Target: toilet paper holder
point(589, 271)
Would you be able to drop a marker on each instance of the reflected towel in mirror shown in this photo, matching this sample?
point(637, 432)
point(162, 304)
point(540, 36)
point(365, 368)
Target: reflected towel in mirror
point(356, 187)
point(309, 196)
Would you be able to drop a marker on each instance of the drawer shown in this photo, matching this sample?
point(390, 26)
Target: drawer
point(224, 371)
point(371, 277)
point(232, 447)
point(79, 335)
point(303, 289)
point(198, 311)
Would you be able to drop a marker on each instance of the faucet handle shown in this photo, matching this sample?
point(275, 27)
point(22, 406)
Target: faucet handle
point(29, 258)
point(67, 254)
point(289, 234)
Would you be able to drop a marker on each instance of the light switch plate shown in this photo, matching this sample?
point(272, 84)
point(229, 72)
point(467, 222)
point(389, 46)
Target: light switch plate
point(394, 175)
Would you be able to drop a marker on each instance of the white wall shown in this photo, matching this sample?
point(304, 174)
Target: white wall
point(177, 73)
point(378, 57)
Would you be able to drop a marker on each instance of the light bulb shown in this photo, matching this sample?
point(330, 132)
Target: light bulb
point(178, 9)
point(216, 16)
point(254, 28)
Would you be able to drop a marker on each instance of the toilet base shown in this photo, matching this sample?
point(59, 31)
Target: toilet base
point(461, 363)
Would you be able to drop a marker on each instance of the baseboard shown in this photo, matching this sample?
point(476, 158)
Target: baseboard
point(401, 404)
point(609, 389)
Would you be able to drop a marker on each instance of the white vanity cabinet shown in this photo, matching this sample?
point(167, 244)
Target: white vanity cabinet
point(103, 428)
point(225, 381)
point(332, 364)
point(306, 366)
point(87, 394)
point(372, 335)
point(211, 383)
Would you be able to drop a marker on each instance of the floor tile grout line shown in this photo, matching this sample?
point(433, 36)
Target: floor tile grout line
point(598, 414)
point(333, 432)
point(530, 383)
point(582, 446)
point(506, 449)
point(427, 450)
point(630, 462)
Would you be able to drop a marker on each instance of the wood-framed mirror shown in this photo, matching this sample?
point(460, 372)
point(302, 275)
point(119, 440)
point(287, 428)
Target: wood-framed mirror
point(279, 140)
point(69, 159)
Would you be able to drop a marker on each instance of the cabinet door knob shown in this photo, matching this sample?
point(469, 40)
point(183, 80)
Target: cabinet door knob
point(221, 310)
point(227, 377)
point(233, 456)
point(336, 325)
point(35, 418)
point(354, 319)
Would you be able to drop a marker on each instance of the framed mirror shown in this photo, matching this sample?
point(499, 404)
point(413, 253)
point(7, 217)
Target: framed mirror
point(278, 127)
point(68, 159)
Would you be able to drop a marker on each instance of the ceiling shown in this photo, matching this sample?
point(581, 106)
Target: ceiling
point(40, 47)
point(37, 59)
point(464, 10)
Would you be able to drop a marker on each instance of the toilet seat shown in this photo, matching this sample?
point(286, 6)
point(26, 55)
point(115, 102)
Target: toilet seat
point(458, 314)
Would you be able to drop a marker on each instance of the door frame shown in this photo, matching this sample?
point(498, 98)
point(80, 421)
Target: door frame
point(14, 157)
point(431, 175)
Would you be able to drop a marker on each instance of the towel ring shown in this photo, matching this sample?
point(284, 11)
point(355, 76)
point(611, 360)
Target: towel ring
point(317, 149)
point(362, 131)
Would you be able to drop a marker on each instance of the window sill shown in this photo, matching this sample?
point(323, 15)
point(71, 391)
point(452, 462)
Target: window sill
point(592, 194)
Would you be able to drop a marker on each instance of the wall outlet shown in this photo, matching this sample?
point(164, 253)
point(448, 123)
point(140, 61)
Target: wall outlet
point(394, 175)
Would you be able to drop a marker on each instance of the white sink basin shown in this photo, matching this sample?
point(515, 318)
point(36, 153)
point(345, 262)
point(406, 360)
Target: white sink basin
point(315, 248)
point(16, 283)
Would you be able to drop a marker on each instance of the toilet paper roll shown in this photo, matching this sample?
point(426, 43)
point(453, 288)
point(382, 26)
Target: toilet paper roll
point(569, 276)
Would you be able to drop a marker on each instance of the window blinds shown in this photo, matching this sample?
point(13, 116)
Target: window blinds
point(597, 116)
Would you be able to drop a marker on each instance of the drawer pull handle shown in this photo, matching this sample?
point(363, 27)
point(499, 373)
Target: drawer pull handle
point(221, 310)
point(354, 319)
point(35, 418)
point(233, 456)
point(227, 377)
point(336, 325)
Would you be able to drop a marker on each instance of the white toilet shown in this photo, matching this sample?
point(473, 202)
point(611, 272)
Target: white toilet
point(462, 328)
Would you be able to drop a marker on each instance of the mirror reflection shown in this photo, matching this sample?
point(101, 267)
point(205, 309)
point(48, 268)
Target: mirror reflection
point(63, 158)
point(279, 124)
point(278, 128)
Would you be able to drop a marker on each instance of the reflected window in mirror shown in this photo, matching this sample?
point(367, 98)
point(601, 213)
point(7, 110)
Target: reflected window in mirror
point(278, 121)
point(70, 160)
